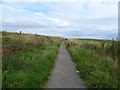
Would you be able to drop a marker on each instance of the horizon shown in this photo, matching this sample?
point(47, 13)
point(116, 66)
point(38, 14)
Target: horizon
point(60, 36)
point(86, 19)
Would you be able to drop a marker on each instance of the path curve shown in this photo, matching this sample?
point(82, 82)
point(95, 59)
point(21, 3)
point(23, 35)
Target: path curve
point(64, 74)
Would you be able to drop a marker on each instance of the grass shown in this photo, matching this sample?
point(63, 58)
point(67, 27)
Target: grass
point(105, 48)
point(28, 59)
point(96, 70)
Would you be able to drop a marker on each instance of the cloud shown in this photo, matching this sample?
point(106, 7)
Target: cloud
point(14, 18)
point(60, 0)
point(66, 19)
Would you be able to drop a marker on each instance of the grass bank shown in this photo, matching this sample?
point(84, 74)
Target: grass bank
point(28, 59)
point(96, 70)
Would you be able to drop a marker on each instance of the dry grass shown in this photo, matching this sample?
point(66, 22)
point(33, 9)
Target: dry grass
point(96, 60)
point(27, 59)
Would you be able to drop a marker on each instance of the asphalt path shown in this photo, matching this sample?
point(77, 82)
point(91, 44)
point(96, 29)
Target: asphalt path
point(64, 74)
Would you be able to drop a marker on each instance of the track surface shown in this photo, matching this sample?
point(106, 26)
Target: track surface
point(65, 74)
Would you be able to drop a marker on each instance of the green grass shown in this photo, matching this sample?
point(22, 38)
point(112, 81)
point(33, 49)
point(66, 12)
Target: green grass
point(30, 62)
point(97, 71)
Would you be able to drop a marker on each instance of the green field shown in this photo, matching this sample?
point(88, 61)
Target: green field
point(96, 60)
point(28, 59)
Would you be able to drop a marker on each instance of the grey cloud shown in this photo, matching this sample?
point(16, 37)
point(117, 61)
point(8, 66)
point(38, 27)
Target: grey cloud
point(23, 25)
point(85, 20)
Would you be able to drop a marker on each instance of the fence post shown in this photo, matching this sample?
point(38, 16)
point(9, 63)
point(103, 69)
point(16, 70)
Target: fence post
point(20, 32)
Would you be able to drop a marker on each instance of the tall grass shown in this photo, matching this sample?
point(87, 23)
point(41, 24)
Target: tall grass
point(106, 48)
point(97, 70)
point(29, 60)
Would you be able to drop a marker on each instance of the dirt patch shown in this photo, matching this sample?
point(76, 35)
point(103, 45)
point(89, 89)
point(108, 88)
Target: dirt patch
point(6, 51)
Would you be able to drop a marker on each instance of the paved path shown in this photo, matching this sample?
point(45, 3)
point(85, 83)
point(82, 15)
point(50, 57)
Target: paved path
point(65, 74)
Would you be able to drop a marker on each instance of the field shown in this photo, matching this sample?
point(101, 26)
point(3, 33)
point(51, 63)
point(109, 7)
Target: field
point(27, 59)
point(96, 61)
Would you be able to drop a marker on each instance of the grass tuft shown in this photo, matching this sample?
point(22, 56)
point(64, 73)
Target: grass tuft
point(97, 71)
point(29, 61)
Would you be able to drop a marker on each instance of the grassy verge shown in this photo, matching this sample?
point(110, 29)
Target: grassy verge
point(97, 71)
point(28, 63)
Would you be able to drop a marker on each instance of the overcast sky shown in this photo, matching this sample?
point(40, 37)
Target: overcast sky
point(97, 19)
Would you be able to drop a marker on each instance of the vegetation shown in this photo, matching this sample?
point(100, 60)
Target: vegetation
point(28, 59)
point(96, 60)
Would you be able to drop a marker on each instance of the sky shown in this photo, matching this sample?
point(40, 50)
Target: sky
point(95, 19)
